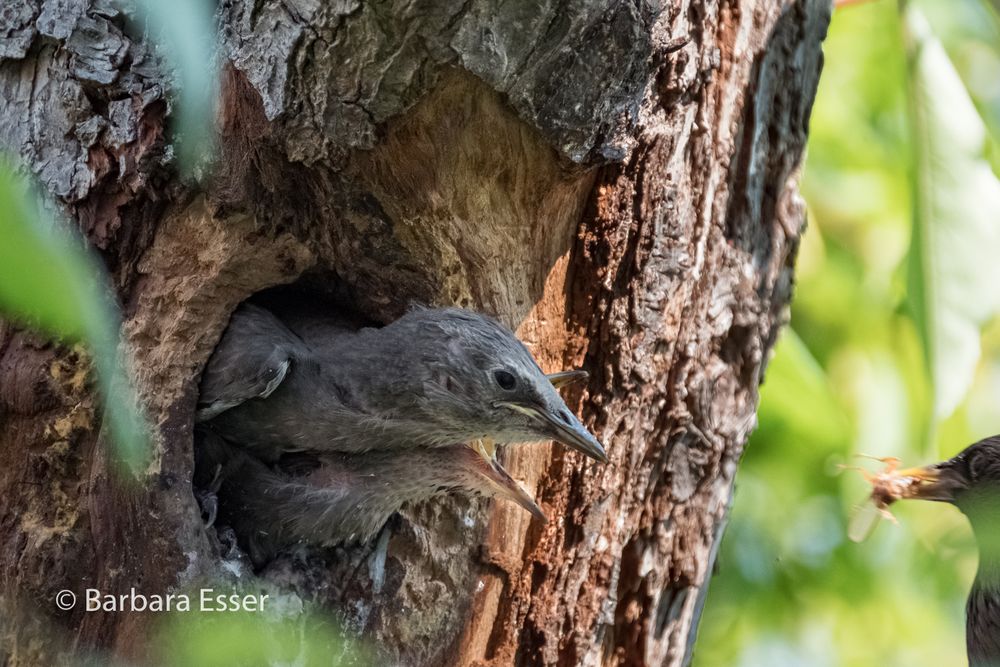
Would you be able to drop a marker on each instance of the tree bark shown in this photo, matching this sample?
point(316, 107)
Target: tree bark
point(615, 180)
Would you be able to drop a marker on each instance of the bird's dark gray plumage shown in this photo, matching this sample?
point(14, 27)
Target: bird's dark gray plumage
point(971, 481)
point(251, 366)
point(339, 498)
point(433, 378)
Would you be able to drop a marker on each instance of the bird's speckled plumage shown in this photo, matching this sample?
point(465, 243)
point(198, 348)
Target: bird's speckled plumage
point(982, 622)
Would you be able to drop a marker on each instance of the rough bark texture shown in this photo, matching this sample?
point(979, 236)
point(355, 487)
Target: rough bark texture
point(617, 180)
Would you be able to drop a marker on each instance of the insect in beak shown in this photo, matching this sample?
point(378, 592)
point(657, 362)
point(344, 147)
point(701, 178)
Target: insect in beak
point(933, 482)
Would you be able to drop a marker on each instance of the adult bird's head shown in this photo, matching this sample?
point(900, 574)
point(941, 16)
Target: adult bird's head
point(970, 480)
point(479, 381)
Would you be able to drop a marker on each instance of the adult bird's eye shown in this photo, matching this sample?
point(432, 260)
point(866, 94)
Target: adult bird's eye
point(505, 380)
point(976, 465)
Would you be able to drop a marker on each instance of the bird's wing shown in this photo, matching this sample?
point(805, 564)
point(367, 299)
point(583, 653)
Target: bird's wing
point(325, 333)
point(252, 359)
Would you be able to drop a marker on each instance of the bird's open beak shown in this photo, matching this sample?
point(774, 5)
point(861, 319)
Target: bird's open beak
point(939, 482)
point(501, 481)
point(567, 378)
point(565, 428)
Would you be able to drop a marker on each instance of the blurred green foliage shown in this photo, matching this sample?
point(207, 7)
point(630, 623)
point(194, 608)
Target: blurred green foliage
point(953, 268)
point(185, 32)
point(893, 148)
point(51, 282)
point(279, 635)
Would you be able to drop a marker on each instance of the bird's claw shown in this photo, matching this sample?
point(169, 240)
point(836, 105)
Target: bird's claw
point(209, 503)
point(208, 499)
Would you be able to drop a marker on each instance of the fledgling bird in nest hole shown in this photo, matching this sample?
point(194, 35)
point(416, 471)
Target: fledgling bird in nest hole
point(320, 431)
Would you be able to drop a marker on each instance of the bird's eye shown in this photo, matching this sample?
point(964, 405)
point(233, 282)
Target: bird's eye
point(506, 380)
point(978, 466)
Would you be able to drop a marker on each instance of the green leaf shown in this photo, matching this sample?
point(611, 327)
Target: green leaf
point(49, 282)
point(797, 393)
point(954, 261)
point(185, 32)
point(273, 636)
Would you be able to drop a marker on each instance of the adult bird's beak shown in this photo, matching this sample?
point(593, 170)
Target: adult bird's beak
point(501, 481)
point(567, 378)
point(939, 482)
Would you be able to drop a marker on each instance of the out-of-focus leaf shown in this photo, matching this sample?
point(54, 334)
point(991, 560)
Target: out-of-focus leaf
point(185, 32)
point(797, 392)
point(49, 282)
point(954, 277)
point(44, 276)
point(786, 550)
point(194, 638)
point(970, 33)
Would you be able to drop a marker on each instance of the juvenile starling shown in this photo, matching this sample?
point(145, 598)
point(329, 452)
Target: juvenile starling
point(971, 482)
point(433, 378)
point(339, 498)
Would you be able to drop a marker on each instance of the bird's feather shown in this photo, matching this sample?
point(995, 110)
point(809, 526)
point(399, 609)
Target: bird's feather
point(252, 359)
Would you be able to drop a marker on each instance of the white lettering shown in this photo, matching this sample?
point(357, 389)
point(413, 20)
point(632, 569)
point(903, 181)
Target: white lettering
point(208, 600)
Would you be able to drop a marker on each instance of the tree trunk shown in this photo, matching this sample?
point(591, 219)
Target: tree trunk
point(615, 180)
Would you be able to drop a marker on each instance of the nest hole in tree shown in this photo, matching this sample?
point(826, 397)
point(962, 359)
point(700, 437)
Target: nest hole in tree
point(308, 568)
point(317, 293)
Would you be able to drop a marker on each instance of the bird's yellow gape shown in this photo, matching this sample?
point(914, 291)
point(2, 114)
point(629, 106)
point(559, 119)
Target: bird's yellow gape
point(501, 481)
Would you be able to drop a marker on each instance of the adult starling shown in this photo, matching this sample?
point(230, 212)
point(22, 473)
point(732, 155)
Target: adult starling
point(433, 378)
point(340, 498)
point(971, 482)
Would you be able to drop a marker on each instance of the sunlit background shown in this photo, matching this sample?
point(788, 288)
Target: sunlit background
point(849, 376)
